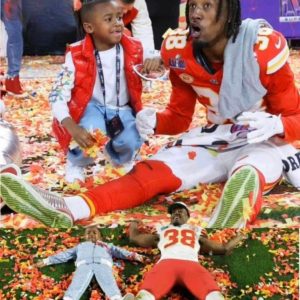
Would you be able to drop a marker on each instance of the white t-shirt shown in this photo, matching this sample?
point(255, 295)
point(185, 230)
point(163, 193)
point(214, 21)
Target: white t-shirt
point(61, 91)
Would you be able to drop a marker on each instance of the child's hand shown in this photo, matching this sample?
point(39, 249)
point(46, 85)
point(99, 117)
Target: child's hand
point(82, 137)
point(100, 139)
point(142, 258)
point(39, 264)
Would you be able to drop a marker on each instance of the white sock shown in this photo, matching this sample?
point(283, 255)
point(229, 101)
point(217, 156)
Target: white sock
point(78, 207)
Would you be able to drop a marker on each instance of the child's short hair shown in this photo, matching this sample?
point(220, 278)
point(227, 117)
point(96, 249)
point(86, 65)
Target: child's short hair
point(88, 5)
point(81, 14)
point(92, 227)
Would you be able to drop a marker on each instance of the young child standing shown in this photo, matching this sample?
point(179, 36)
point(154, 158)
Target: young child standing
point(98, 89)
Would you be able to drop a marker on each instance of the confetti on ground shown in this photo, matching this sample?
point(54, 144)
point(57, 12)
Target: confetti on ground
point(264, 265)
point(43, 164)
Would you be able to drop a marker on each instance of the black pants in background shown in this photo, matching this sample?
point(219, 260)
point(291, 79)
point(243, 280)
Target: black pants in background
point(164, 14)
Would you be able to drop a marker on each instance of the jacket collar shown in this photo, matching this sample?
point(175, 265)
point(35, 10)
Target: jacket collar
point(88, 46)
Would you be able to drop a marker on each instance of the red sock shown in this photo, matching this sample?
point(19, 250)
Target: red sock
point(146, 180)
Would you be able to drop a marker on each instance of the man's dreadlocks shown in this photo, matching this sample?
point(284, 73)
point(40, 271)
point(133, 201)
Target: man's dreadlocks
point(234, 16)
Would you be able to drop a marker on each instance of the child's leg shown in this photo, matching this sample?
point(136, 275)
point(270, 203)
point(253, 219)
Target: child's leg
point(107, 282)
point(92, 119)
point(124, 146)
point(80, 281)
point(76, 160)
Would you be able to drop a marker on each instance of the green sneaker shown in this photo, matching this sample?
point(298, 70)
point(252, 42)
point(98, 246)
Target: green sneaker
point(237, 203)
point(21, 197)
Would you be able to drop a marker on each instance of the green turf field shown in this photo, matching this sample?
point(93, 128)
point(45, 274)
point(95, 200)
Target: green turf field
point(265, 265)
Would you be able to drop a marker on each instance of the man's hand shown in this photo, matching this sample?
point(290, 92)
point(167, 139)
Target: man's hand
point(140, 238)
point(153, 65)
point(262, 125)
point(234, 242)
point(146, 122)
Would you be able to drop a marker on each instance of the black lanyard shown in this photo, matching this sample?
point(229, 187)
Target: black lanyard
point(118, 77)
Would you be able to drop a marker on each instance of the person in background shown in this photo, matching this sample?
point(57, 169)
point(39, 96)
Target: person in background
point(11, 15)
point(137, 22)
point(136, 18)
point(179, 244)
point(164, 14)
point(93, 257)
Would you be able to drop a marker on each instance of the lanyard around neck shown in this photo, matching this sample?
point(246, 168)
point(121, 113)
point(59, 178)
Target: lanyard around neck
point(118, 77)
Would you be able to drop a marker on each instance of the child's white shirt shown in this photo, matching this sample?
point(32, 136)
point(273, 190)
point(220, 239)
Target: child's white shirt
point(61, 91)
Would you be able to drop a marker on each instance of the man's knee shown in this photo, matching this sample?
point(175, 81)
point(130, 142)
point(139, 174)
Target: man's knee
point(155, 177)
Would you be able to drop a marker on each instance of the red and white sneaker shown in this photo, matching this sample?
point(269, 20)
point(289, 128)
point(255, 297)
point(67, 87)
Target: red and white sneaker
point(12, 169)
point(13, 87)
point(46, 207)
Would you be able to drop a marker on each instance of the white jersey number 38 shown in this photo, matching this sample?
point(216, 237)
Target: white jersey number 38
point(185, 236)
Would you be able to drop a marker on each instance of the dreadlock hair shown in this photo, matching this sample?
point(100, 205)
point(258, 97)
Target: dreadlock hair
point(80, 15)
point(233, 19)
